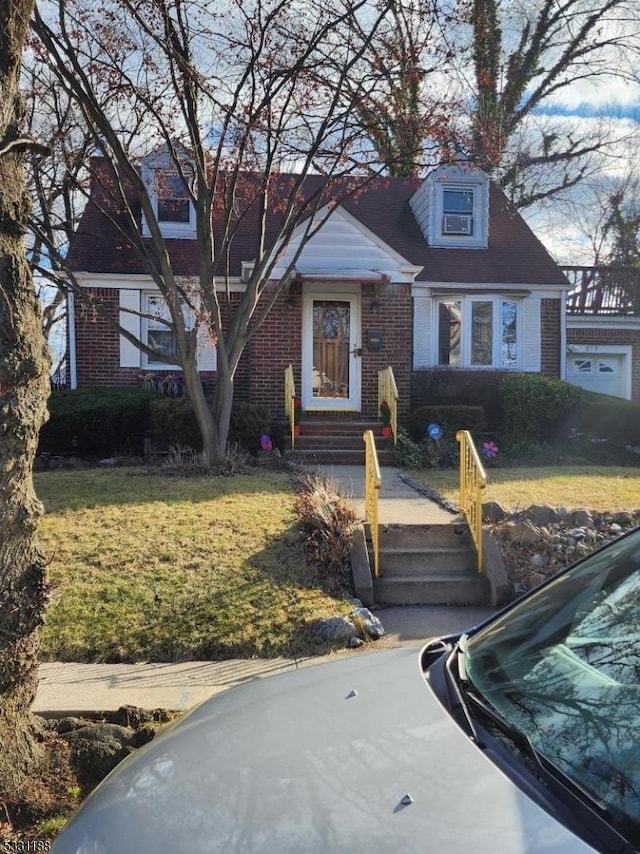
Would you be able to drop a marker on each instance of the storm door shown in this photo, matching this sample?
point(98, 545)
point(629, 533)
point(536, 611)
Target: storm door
point(331, 355)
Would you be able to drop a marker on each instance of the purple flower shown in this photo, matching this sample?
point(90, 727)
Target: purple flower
point(490, 450)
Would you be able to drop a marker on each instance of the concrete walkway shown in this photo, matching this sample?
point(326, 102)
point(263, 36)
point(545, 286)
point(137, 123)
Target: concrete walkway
point(399, 502)
point(77, 688)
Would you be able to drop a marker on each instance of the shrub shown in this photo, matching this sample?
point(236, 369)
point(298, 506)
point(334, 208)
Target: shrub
point(426, 453)
point(601, 416)
point(438, 386)
point(96, 421)
point(533, 406)
point(173, 423)
point(450, 418)
point(248, 423)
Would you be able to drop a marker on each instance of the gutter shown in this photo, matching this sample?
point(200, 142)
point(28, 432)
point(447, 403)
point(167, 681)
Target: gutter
point(71, 339)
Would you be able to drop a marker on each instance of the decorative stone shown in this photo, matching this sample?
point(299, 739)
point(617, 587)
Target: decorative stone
point(540, 514)
point(493, 512)
point(624, 517)
point(564, 515)
point(538, 561)
point(582, 518)
point(355, 642)
point(614, 528)
point(108, 461)
point(334, 630)
point(522, 532)
point(371, 626)
point(534, 579)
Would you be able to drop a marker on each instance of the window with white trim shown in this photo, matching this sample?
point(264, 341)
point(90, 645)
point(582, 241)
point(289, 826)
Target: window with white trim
point(170, 197)
point(457, 211)
point(157, 330)
point(478, 332)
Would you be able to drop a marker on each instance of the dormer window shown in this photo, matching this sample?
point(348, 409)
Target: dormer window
point(168, 184)
point(457, 211)
point(452, 207)
point(173, 203)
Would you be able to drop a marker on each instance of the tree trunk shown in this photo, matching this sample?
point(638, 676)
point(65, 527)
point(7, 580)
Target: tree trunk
point(24, 388)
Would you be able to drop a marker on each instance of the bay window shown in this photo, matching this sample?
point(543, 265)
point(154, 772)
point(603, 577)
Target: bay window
point(478, 332)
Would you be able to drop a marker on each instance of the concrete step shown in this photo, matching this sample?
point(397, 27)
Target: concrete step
point(436, 590)
point(348, 441)
point(421, 536)
point(336, 457)
point(426, 562)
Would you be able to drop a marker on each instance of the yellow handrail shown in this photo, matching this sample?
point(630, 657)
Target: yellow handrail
point(372, 482)
point(472, 481)
point(388, 393)
point(290, 402)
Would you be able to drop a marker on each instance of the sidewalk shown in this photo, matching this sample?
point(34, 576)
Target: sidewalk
point(77, 688)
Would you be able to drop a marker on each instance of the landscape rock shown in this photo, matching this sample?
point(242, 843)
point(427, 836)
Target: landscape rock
point(582, 518)
point(534, 579)
point(370, 625)
point(523, 532)
point(334, 630)
point(355, 642)
point(493, 512)
point(540, 514)
point(538, 561)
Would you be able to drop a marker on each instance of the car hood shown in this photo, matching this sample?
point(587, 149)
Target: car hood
point(354, 755)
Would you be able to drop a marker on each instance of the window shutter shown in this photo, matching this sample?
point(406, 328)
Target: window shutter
point(421, 332)
point(531, 345)
point(129, 301)
point(207, 353)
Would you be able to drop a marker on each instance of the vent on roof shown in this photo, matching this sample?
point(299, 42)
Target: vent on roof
point(457, 224)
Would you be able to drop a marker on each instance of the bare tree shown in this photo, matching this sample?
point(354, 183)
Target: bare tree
point(524, 55)
point(24, 387)
point(229, 100)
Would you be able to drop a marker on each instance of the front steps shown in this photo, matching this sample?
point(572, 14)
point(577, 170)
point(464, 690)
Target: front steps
point(428, 565)
point(338, 441)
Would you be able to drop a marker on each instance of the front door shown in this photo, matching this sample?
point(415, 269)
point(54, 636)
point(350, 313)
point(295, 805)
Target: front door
point(330, 352)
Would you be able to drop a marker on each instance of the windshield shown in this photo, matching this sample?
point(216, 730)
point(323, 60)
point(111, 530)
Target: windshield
point(563, 667)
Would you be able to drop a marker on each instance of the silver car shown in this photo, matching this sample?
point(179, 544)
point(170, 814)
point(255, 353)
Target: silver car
point(521, 735)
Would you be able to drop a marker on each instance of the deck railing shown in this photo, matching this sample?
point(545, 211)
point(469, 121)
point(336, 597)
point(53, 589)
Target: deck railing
point(290, 402)
point(372, 483)
point(388, 393)
point(613, 291)
point(472, 481)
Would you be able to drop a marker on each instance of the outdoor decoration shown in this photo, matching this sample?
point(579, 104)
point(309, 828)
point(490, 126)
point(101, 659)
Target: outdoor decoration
point(435, 432)
point(265, 442)
point(489, 450)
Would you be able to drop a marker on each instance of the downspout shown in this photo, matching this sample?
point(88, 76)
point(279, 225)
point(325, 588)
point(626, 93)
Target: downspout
point(71, 339)
point(563, 336)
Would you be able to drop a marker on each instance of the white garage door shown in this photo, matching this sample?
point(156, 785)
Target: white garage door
point(604, 373)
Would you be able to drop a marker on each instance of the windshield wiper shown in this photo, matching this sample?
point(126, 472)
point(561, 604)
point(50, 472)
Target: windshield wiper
point(454, 666)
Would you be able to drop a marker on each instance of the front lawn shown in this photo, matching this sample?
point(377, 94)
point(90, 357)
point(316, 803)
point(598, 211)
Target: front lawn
point(152, 568)
point(602, 488)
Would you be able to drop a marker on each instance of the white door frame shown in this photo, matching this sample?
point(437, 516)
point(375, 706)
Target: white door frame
point(346, 404)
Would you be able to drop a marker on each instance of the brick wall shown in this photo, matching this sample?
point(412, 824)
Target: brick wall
point(279, 343)
point(550, 322)
point(98, 344)
point(606, 335)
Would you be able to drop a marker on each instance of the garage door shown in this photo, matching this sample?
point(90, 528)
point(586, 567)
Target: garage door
point(604, 373)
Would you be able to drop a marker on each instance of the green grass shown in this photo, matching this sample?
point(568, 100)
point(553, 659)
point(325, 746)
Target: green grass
point(148, 567)
point(600, 488)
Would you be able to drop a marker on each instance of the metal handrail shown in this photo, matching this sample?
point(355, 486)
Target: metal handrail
point(290, 402)
point(388, 393)
point(372, 483)
point(472, 481)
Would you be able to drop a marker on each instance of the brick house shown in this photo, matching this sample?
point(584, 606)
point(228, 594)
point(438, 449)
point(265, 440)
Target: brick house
point(434, 276)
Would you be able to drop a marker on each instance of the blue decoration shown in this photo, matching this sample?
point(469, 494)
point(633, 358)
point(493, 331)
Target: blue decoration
point(434, 431)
